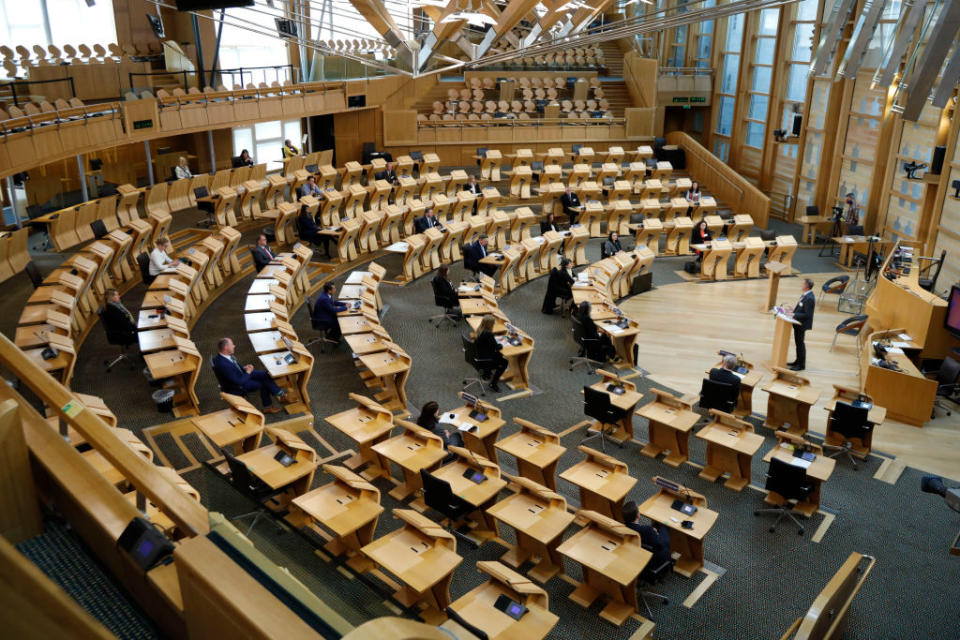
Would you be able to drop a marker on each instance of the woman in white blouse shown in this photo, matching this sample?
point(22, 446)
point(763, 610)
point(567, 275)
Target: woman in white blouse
point(182, 170)
point(159, 260)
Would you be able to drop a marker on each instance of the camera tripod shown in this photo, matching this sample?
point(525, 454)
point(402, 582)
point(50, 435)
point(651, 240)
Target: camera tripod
point(835, 232)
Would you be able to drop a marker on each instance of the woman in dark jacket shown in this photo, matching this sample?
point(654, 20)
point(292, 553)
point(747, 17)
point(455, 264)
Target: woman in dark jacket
point(429, 420)
point(558, 286)
point(700, 235)
point(611, 245)
point(489, 349)
point(590, 331)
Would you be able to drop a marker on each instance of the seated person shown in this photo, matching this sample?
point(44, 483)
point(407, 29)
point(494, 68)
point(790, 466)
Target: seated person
point(427, 221)
point(725, 373)
point(387, 174)
point(262, 256)
point(289, 151)
point(571, 205)
point(474, 253)
point(443, 290)
point(243, 160)
point(590, 332)
point(429, 420)
point(489, 349)
point(473, 186)
point(242, 380)
point(655, 538)
point(119, 324)
point(182, 170)
point(549, 224)
point(325, 311)
point(310, 187)
point(700, 235)
point(558, 286)
point(159, 260)
point(310, 232)
point(611, 245)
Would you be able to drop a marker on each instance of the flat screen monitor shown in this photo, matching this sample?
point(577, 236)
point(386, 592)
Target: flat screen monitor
point(952, 321)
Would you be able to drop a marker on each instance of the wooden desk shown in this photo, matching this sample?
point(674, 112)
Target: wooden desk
point(366, 343)
point(481, 440)
point(263, 464)
point(481, 495)
point(603, 481)
point(293, 377)
point(731, 444)
point(392, 368)
point(240, 427)
point(875, 416)
point(476, 606)
point(150, 319)
point(155, 340)
point(269, 341)
point(611, 558)
point(517, 374)
point(818, 472)
point(669, 421)
point(850, 245)
point(367, 424)
point(349, 507)
point(183, 366)
point(626, 402)
point(623, 339)
point(748, 381)
point(539, 518)
point(688, 542)
point(788, 406)
point(264, 321)
point(774, 270)
point(361, 323)
point(422, 555)
point(537, 451)
point(414, 449)
point(810, 224)
point(907, 394)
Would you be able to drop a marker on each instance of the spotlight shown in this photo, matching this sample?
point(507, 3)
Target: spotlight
point(956, 185)
point(934, 484)
point(912, 167)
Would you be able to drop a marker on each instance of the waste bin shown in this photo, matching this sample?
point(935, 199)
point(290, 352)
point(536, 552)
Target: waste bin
point(164, 400)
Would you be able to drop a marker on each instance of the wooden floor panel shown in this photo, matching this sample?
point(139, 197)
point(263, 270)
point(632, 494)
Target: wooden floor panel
point(683, 325)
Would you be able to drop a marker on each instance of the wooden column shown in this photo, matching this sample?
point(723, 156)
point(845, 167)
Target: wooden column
point(19, 509)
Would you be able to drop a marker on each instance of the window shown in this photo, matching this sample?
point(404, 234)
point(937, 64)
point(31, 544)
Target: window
point(264, 140)
point(758, 107)
point(754, 135)
point(725, 119)
point(242, 48)
point(731, 66)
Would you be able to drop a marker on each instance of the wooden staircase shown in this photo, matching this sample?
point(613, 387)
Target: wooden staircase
point(613, 59)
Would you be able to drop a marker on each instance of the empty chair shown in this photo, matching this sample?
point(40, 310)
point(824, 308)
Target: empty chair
point(837, 285)
point(946, 377)
point(527, 94)
point(464, 94)
point(788, 482)
point(591, 354)
point(930, 282)
point(437, 106)
point(477, 94)
point(488, 83)
point(516, 106)
point(251, 487)
point(540, 94)
point(490, 106)
point(452, 94)
point(852, 326)
point(848, 422)
point(481, 365)
point(439, 496)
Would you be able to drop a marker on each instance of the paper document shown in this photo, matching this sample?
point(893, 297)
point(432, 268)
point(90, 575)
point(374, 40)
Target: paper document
point(800, 462)
point(901, 345)
point(465, 426)
point(612, 328)
point(583, 276)
point(739, 375)
point(398, 247)
point(905, 336)
point(448, 418)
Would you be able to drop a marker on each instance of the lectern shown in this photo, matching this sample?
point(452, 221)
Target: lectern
point(781, 339)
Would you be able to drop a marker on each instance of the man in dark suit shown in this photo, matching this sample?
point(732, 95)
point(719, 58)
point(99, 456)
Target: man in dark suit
point(474, 253)
point(325, 311)
point(427, 221)
point(473, 186)
point(310, 188)
point(549, 224)
point(725, 373)
point(310, 232)
point(571, 205)
point(803, 314)
point(262, 256)
point(387, 174)
point(558, 286)
point(655, 538)
point(119, 324)
point(242, 380)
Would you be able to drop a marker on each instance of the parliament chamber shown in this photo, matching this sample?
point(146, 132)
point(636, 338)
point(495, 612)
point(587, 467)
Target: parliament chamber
point(444, 319)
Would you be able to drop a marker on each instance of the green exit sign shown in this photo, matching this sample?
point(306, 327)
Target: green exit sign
point(680, 99)
point(142, 124)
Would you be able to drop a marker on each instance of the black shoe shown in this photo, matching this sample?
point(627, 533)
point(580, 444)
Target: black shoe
point(795, 367)
point(792, 364)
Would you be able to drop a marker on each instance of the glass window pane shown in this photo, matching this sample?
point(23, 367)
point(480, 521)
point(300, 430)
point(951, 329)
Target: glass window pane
point(761, 79)
point(758, 107)
point(267, 130)
point(703, 47)
point(807, 9)
point(269, 153)
point(291, 131)
point(706, 26)
point(725, 116)
point(731, 65)
point(754, 135)
point(22, 23)
point(734, 32)
point(242, 139)
point(764, 53)
point(98, 23)
point(768, 22)
point(797, 82)
point(803, 42)
point(680, 35)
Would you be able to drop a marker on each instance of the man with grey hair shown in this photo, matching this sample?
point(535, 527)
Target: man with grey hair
point(725, 373)
point(803, 314)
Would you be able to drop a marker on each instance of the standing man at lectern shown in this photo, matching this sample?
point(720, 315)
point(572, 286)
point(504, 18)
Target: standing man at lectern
point(803, 314)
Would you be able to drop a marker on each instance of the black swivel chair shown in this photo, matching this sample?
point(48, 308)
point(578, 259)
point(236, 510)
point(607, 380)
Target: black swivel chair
point(946, 377)
point(143, 261)
point(790, 483)
point(850, 422)
point(718, 395)
point(591, 351)
point(118, 337)
point(931, 282)
point(253, 488)
point(447, 303)
point(482, 365)
point(652, 575)
point(597, 405)
point(322, 338)
point(438, 495)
